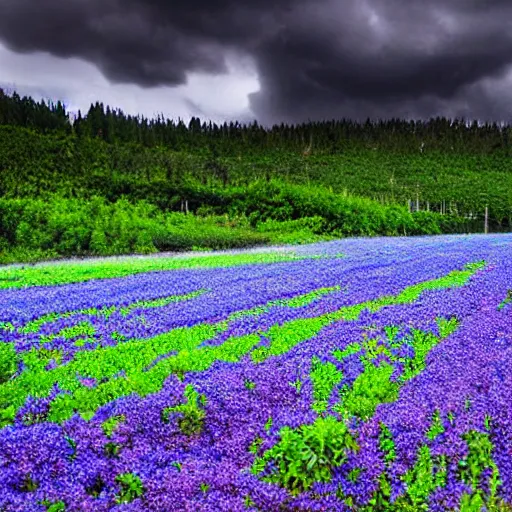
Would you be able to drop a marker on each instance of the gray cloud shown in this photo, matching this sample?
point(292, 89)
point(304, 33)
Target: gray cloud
point(316, 59)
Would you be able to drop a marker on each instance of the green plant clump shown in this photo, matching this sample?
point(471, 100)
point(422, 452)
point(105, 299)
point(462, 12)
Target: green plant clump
point(308, 454)
point(191, 414)
point(131, 487)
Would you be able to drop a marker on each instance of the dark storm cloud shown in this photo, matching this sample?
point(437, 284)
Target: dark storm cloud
point(382, 59)
point(315, 58)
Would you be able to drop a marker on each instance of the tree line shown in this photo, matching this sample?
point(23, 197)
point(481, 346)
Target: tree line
point(113, 125)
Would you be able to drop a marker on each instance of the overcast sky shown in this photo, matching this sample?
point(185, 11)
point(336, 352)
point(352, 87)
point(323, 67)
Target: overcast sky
point(270, 60)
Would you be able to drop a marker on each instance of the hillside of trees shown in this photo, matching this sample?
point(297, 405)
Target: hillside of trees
point(380, 177)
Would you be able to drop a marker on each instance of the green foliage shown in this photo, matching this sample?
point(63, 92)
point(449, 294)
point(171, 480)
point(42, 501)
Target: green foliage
point(109, 426)
point(373, 348)
point(391, 333)
point(81, 329)
point(387, 445)
point(307, 454)
point(286, 206)
point(8, 361)
point(104, 363)
point(471, 468)
point(131, 487)
point(84, 328)
point(7, 326)
point(427, 474)
point(306, 230)
point(471, 503)
point(297, 384)
point(255, 445)
point(112, 449)
point(71, 272)
point(158, 303)
point(29, 485)
point(437, 427)
point(371, 388)
point(134, 356)
point(76, 203)
point(248, 502)
point(72, 227)
point(308, 298)
point(191, 414)
point(314, 224)
point(286, 336)
point(294, 302)
point(55, 227)
point(506, 300)
point(108, 154)
point(249, 384)
point(324, 377)
point(352, 348)
point(99, 244)
point(422, 342)
point(57, 506)
point(430, 472)
point(447, 326)
point(474, 266)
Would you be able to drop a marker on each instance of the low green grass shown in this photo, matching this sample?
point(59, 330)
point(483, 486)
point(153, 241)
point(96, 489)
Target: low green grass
point(55, 274)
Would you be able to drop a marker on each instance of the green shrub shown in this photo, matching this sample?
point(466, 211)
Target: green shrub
point(426, 223)
point(307, 455)
point(36, 229)
point(99, 244)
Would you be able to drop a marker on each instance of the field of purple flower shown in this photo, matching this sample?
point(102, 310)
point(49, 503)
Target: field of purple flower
point(376, 377)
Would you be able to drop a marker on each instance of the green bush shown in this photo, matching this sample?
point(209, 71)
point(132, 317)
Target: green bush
point(315, 225)
point(35, 229)
point(426, 223)
point(44, 165)
point(277, 206)
point(308, 454)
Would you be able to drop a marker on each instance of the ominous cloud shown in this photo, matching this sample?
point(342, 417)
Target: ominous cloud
point(315, 59)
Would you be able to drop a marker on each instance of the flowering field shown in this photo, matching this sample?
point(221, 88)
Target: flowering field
point(362, 374)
